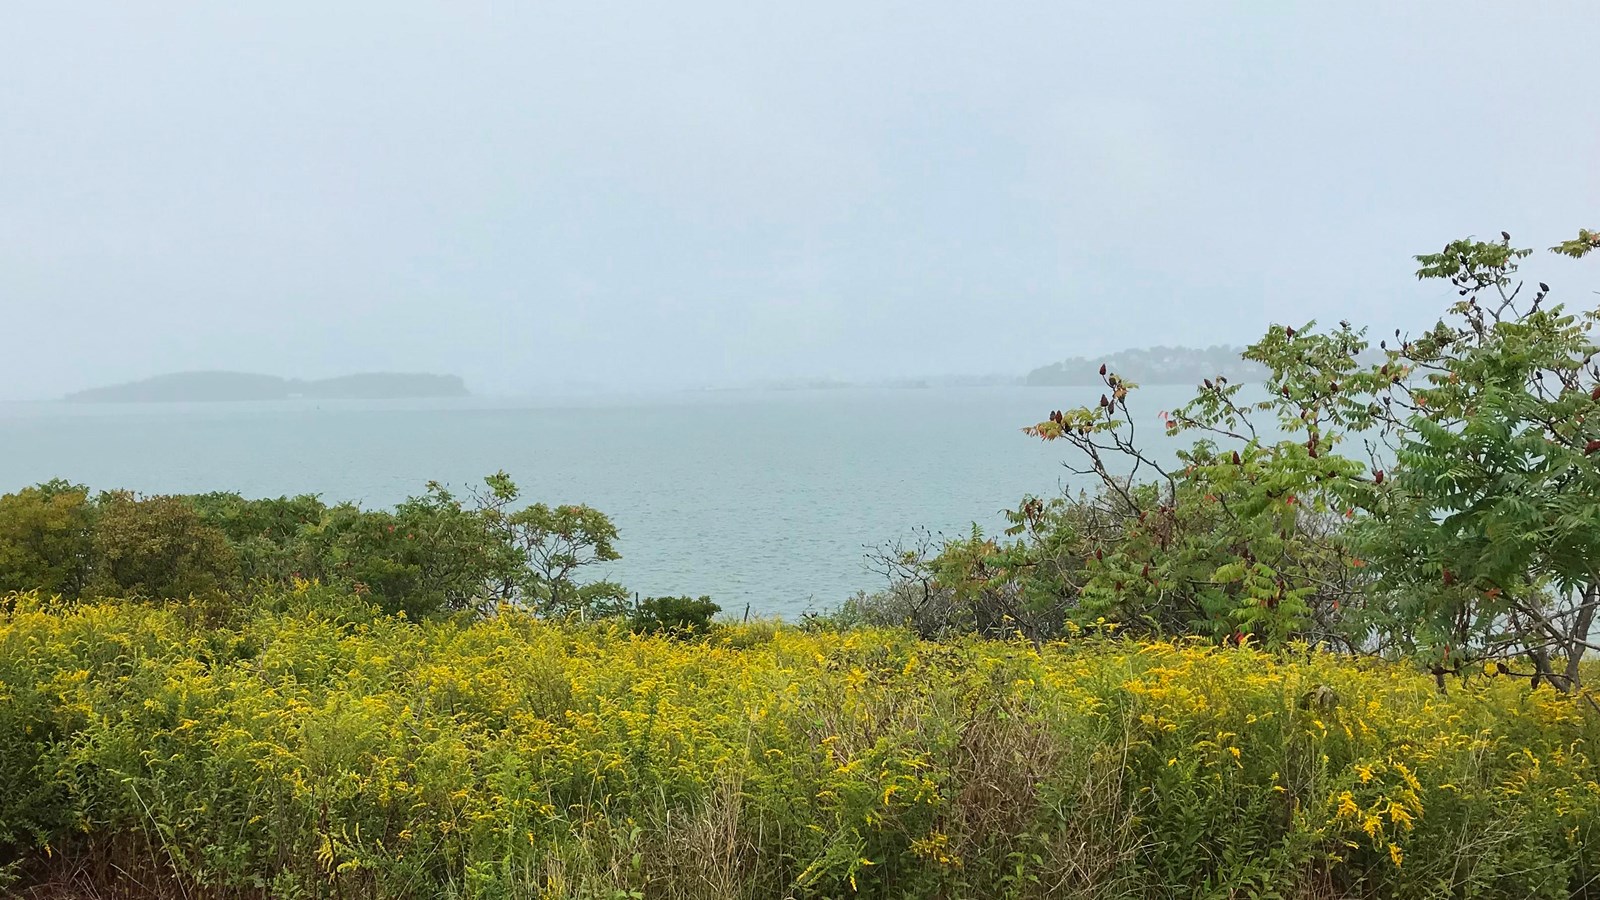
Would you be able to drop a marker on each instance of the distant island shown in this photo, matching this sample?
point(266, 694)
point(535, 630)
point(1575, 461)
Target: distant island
point(1151, 365)
point(220, 387)
point(918, 382)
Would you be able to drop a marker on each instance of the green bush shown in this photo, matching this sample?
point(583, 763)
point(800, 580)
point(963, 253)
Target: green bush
point(674, 615)
point(158, 548)
point(46, 539)
point(431, 555)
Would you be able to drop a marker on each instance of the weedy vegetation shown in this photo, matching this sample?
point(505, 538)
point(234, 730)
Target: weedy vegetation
point(320, 748)
point(1341, 647)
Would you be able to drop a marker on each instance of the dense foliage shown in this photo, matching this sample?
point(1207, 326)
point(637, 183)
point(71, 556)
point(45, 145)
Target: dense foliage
point(432, 554)
point(318, 748)
point(1436, 497)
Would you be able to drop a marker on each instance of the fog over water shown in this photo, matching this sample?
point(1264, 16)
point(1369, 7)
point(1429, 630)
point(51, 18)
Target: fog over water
point(765, 498)
point(719, 193)
point(590, 211)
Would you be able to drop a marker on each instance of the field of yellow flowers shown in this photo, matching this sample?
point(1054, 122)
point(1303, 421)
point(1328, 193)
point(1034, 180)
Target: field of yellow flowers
point(318, 750)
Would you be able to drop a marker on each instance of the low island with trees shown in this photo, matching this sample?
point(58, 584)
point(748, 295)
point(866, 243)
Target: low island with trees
point(220, 387)
point(1151, 365)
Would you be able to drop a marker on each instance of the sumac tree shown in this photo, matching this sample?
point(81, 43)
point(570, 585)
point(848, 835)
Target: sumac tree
point(1438, 495)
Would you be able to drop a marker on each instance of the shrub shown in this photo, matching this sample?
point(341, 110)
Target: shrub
point(674, 615)
point(158, 547)
point(266, 534)
point(46, 539)
point(431, 555)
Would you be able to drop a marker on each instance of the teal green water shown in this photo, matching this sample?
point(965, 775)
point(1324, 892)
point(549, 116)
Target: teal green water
point(766, 498)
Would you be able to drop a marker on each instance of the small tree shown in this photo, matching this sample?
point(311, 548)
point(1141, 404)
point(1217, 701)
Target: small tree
point(1488, 533)
point(552, 545)
point(1482, 540)
point(431, 554)
point(1238, 536)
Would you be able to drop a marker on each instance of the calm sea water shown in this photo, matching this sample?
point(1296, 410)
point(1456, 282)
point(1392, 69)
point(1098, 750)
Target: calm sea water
point(768, 498)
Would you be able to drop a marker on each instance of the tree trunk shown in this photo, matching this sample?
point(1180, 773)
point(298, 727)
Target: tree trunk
point(1542, 670)
point(1582, 623)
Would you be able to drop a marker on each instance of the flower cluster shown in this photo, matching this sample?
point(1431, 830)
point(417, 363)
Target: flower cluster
point(315, 753)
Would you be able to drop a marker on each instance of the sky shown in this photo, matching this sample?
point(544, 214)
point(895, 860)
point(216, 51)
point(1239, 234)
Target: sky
point(641, 195)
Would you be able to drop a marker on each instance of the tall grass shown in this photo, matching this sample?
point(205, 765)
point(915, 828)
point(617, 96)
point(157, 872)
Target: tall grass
point(311, 753)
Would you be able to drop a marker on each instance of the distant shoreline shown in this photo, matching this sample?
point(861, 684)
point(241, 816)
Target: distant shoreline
point(238, 387)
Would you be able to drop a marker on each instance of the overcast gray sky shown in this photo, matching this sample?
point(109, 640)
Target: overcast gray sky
point(715, 192)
